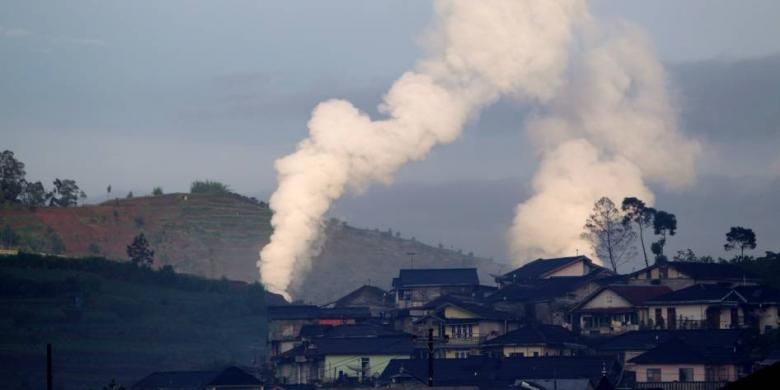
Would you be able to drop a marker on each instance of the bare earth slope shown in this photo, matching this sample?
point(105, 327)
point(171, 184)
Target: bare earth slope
point(220, 236)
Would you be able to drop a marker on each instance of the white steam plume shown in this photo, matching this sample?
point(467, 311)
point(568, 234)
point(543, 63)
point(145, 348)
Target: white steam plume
point(480, 50)
point(610, 127)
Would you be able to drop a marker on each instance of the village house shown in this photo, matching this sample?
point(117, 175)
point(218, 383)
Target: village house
point(533, 341)
point(549, 268)
point(681, 274)
point(614, 309)
point(378, 301)
point(678, 361)
point(465, 325)
point(285, 322)
point(701, 306)
point(344, 354)
point(416, 287)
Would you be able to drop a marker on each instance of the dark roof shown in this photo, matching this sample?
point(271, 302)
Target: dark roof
point(643, 340)
point(381, 295)
point(392, 345)
point(345, 312)
point(759, 294)
point(536, 334)
point(699, 293)
point(480, 310)
point(637, 295)
point(539, 289)
point(232, 376)
point(293, 312)
point(361, 330)
point(709, 271)
point(539, 267)
point(436, 277)
point(494, 373)
point(676, 351)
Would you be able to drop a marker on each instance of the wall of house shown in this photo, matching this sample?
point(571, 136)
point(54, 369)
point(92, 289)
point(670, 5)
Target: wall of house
point(457, 313)
point(575, 269)
point(299, 373)
point(768, 317)
point(350, 365)
point(669, 373)
point(540, 350)
point(694, 312)
point(607, 299)
point(491, 329)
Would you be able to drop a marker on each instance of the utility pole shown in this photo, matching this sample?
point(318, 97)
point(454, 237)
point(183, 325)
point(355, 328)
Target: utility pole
point(430, 357)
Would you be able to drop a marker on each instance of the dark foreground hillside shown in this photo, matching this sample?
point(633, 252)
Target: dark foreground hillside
point(220, 235)
point(111, 320)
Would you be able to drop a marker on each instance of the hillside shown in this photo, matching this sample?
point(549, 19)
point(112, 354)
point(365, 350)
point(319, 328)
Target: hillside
point(220, 236)
point(113, 320)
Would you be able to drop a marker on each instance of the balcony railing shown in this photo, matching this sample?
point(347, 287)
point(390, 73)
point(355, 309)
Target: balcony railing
point(680, 385)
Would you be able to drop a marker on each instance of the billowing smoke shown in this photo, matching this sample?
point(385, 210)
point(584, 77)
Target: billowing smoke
point(610, 127)
point(479, 51)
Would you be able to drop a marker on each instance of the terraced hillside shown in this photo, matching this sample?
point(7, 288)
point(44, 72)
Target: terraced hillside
point(220, 236)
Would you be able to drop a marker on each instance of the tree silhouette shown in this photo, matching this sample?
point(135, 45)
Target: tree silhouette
point(11, 177)
point(610, 237)
point(139, 252)
point(34, 195)
point(742, 238)
point(65, 193)
point(637, 212)
point(664, 223)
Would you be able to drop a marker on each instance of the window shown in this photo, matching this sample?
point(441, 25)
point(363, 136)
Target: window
point(653, 374)
point(364, 368)
point(686, 375)
point(461, 354)
point(536, 354)
point(461, 331)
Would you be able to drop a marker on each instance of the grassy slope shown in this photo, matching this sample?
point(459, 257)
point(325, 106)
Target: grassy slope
point(221, 235)
point(131, 322)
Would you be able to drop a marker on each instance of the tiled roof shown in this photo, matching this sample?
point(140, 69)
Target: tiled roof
point(535, 335)
point(395, 345)
point(539, 267)
point(539, 289)
point(480, 310)
point(345, 312)
point(635, 295)
point(643, 340)
point(676, 351)
point(709, 271)
point(381, 295)
point(304, 312)
point(759, 294)
point(436, 277)
point(231, 376)
point(699, 293)
point(496, 373)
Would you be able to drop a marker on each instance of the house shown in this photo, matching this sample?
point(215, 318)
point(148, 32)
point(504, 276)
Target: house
point(701, 306)
point(374, 298)
point(232, 378)
point(548, 300)
point(464, 324)
point(614, 309)
point(678, 361)
point(285, 322)
point(535, 340)
point(416, 287)
point(631, 344)
point(761, 307)
point(495, 373)
point(681, 274)
point(549, 268)
point(350, 356)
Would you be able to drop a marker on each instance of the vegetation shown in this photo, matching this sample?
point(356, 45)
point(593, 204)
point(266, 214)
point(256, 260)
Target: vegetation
point(15, 189)
point(664, 224)
point(111, 320)
point(636, 212)
point(65, 194)
point(611, 238)
point(740, 238)
point(208, 187)
point(11, 177)
point(157, 191)
point(139, 253)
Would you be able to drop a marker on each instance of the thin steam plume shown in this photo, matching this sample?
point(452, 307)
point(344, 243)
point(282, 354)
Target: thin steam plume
point(610, 129)
point(480, 50)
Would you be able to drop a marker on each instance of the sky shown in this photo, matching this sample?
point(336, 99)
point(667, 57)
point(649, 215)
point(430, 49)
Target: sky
point(160, 93)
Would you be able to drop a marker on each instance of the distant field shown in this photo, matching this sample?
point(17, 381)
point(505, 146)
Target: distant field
point(220, 235)
point(111, 320)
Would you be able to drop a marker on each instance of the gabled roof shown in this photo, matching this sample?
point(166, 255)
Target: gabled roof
point(675, 351)
point(644, 340)
point(479, 310)
point(231, 376)
point(539, 268)
point(536, 335)
point(700, 293)
point(345, 312)
point(361, 330)
point(539, 289)
point(436, 277)
point(381, 295)
point(759, 294)
point(635, 295)
point(709, 271)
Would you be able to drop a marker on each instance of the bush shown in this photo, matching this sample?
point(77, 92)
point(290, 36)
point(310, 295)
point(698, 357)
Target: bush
point(157, 191)
point(209, 187)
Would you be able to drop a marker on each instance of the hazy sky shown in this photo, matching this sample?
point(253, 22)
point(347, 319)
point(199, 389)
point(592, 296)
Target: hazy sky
point(137, 94)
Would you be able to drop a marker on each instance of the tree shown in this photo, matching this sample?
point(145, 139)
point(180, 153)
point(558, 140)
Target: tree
point(742, 238)
point(610, 237)
point(65, 193)
point(637, 212)
point(11, 177)
point(129, 195)
point(139, 252)
point(157, 191)
point(208, 187)
point(34, 195)
point(664, 223)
